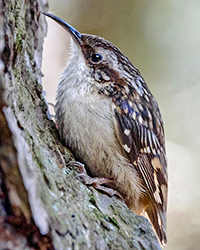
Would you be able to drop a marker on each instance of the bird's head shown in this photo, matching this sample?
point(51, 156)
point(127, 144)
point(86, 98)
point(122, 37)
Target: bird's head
point(102, 61)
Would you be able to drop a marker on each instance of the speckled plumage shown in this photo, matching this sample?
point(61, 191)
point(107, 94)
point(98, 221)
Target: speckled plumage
point(107, 116)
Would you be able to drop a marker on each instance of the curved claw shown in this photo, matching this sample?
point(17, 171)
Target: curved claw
point(77, 164)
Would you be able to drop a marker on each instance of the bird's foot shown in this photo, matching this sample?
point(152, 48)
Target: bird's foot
point(96, 182)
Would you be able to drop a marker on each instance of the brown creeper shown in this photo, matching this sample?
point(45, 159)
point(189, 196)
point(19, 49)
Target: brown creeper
point(107, 116)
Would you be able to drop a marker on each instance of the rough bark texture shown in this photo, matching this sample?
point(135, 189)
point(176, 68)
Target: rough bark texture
point(43, 205)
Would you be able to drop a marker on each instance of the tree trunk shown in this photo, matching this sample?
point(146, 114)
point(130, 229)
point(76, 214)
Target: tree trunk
point(43, 205)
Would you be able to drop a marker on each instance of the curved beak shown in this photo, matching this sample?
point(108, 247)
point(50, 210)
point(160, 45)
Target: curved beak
point(75, 34)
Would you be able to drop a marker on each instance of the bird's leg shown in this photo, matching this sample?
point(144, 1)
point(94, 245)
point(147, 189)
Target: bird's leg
point(96, 182)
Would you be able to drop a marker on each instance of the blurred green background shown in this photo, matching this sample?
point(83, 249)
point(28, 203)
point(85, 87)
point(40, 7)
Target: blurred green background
point(162, 40)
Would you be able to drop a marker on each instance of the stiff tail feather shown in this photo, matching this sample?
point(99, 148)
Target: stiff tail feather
point(158, 219)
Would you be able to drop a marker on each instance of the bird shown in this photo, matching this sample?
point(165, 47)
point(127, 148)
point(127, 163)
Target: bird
point(107, 116)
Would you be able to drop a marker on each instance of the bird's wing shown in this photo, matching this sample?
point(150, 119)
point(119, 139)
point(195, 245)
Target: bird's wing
point(139, 129)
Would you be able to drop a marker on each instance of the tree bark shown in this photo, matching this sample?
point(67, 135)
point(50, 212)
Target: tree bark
point(43, 205)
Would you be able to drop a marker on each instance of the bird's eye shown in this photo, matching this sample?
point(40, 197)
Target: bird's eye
point(96, 57)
